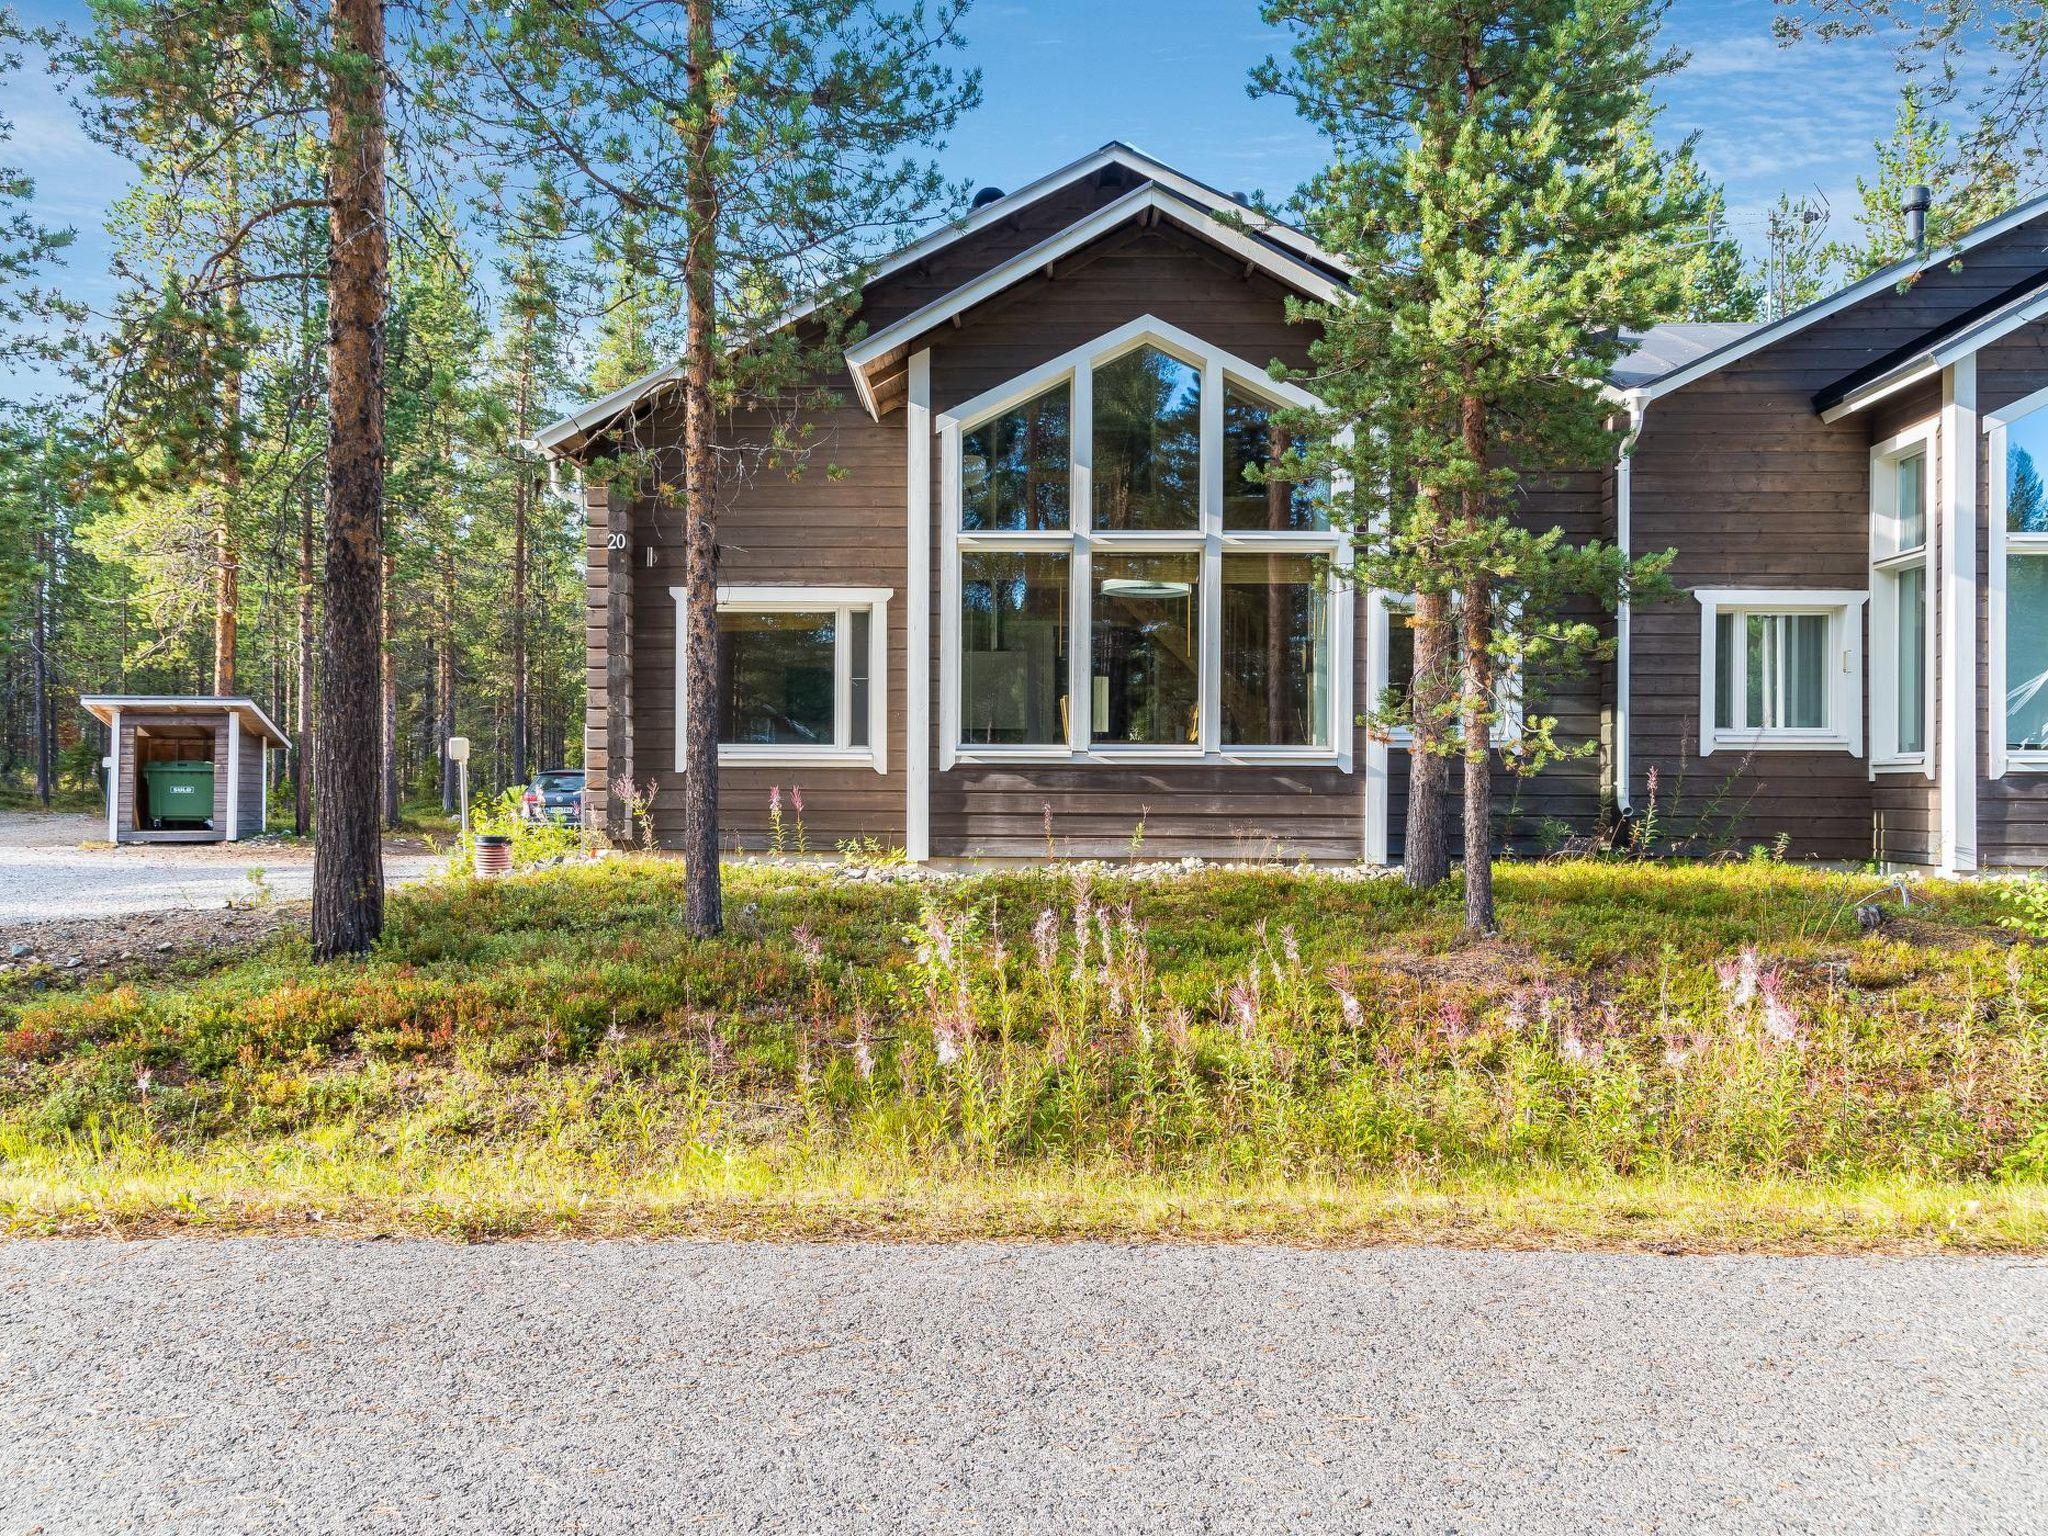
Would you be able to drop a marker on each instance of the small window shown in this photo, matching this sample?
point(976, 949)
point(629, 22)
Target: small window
point(1016, 469)
point(1781, 670)
point(1393, 638)
point(777, 673)
point(800, 675)
point(1147, 472)
point(1901, 619)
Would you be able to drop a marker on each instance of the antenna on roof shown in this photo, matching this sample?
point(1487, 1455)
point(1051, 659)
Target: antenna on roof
point(1915, 204)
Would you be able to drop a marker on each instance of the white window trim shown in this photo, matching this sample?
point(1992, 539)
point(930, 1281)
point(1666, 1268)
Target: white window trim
point(1917, 439)
point(1844, 609)
point(1077, 542)
point(1380, 609)
point(2004, 759)
point(842, 602)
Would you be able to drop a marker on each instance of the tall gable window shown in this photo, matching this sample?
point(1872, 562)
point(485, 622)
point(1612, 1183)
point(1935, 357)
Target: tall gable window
point(1190, 614)
point(1901, 603)
point(2019, 586)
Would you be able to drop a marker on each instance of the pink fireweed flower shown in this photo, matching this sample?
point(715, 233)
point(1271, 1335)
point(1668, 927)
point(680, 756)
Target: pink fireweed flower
point(1781, 1020)
point(775, 800)
point(1244, 1005)
point(808, 946)
point(1738, 978)
point(1290, 944)
point(796, 798)
point(1045, 938)
point(1352, 1010)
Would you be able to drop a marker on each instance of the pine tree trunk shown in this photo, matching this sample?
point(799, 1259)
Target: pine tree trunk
point(521, 502)
point(348, 877)
point(45, 581)
point(445, 685)
point(703, 906)
point(303, 723)
point(227, 563)
point(1426, 854)
point(1475, 687)
point(1475, 681)
point(387, 704)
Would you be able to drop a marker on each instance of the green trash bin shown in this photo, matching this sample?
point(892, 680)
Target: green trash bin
point(180, 795)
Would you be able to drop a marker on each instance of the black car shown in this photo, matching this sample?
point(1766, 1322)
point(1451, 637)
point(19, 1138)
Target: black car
point(554, 796)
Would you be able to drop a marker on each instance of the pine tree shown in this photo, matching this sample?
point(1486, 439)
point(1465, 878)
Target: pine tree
point(185, 82)
point(1493, 184)
point(766, 148)
point(27, 310)
point(1714, 276)
point(1920, 153)
point(1797, 264)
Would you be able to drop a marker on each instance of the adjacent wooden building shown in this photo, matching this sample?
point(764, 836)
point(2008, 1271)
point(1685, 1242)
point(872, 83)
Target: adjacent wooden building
point(1023, 598)
point(185, 768)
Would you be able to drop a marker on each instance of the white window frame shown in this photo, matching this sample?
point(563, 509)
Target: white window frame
point(1844, 611)
point(1885, 565)
point(2004, 759)
point(1080, 539)
point(1380, 610)
point(842, 603)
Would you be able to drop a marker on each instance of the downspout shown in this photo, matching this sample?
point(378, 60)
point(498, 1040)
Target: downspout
point(1637, 403)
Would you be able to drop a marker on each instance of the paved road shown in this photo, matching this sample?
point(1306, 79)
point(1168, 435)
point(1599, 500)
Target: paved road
point(45, 875)
point(413, 1387)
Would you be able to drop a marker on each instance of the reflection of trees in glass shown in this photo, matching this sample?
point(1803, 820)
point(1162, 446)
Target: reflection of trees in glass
point(1144, 633)
point(1275, 663)
point(2026, 501)
point(1016, 469)
point(775, 678)
point(1251, 437)
point(1013, 648)
point(1148, 442)
point(2026, 653)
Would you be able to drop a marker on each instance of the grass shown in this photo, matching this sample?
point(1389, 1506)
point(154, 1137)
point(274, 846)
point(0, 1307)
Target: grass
point(1697, 1058)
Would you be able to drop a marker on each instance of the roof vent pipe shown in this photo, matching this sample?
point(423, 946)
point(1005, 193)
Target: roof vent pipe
point(988, 195)
point(1915, 204)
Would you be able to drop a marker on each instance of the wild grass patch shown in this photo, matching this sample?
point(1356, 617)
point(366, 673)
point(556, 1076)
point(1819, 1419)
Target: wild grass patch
point(1230, 1045)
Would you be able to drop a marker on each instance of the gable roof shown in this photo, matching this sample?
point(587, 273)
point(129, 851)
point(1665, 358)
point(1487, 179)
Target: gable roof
point(1967, 333)
point(1754, 339)
point(892, 342)
point(1667, 348)
point(104, 706)
point(1288, 253)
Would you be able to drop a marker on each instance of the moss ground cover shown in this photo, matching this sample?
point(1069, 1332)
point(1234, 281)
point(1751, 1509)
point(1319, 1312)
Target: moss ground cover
point(1700, 1057)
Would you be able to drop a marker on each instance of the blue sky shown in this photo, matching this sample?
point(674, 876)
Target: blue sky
point(1064, 76)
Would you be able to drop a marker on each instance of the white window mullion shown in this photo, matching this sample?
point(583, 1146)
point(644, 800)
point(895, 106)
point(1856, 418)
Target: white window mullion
point(842, 678)
point(949, 596)
point(1209, 672)
point(1080, 636)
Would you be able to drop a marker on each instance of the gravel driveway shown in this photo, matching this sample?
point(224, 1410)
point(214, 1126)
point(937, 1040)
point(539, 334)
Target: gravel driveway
point(46, 876)
point(407, 1387)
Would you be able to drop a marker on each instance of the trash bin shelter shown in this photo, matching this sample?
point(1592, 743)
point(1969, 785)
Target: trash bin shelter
point(185, 768)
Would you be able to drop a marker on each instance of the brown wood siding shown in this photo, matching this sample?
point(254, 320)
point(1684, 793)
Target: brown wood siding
point(598, 655)
point(839, 524)
point(1739, 474)
point(249, 814)
point(2012, 812)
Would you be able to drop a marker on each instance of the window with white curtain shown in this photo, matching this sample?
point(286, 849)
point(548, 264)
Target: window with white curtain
point(1901, 603)
point(2019, 585)
point(1780, 670)
point(1120, 582)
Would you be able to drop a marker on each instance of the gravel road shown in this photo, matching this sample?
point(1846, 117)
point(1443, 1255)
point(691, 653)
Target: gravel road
point(312, 1386)
point(45, 876)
